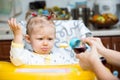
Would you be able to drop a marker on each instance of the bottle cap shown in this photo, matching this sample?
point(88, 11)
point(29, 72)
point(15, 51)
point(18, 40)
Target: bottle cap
point(74, 42)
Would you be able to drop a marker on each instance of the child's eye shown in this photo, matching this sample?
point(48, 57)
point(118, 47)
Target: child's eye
point(40, 38)
point(50, 38)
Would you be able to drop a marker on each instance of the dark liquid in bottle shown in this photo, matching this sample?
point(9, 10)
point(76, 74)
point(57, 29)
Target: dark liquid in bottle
point(79, 50)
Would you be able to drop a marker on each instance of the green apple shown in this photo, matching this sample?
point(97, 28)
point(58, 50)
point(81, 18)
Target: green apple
point(101, 19)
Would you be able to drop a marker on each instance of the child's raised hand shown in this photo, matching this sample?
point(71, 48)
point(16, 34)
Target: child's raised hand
point(17, 30)
point(15, 27)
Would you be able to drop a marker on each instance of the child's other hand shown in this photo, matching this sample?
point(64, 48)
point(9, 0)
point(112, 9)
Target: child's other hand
point(15, 27)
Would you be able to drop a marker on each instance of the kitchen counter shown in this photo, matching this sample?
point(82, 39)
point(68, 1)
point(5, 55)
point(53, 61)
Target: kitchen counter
point(6, 37)
point(6, 34)
point(114, 32)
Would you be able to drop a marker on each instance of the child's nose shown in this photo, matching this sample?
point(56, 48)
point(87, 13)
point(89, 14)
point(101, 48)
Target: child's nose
point(45, 42)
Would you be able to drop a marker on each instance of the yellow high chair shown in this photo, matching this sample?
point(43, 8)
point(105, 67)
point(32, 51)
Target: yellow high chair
point(43, 72)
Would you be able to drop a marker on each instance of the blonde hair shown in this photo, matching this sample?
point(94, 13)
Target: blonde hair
point(38, 20)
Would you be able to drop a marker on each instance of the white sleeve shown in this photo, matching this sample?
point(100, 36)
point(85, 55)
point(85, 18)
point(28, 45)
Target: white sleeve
point(18, 54)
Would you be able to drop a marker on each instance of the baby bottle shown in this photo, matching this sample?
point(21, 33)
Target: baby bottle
point(78, 46)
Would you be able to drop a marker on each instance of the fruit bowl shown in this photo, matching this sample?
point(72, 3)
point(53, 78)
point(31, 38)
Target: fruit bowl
point(106, 20)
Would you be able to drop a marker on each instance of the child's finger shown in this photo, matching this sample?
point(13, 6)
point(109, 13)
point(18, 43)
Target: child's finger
point(11, 22)
point(15, 24)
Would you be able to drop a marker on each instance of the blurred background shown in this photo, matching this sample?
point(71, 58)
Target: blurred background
point(71, 9)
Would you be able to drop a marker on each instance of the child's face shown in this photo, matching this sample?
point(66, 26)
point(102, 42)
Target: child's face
point(42, 39)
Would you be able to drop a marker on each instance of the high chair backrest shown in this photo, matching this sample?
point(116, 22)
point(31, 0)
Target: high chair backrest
point(68, 29)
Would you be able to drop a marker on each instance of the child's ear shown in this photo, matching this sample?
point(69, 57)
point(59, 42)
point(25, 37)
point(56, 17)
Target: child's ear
point(27, 38)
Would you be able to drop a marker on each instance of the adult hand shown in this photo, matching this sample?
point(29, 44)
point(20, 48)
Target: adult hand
point(89, 59)
point(96, 42)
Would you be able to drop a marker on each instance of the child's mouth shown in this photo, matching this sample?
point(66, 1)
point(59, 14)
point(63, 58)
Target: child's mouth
point(44, 49)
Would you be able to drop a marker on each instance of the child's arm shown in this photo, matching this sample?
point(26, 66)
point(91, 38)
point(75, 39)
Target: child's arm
point(18, 40)
point(17, 31)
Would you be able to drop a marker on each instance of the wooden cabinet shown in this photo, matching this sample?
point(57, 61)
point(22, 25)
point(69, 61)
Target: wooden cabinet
point(107, 42)
point(5, 49)
point(112, 43)
point(116, 43)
